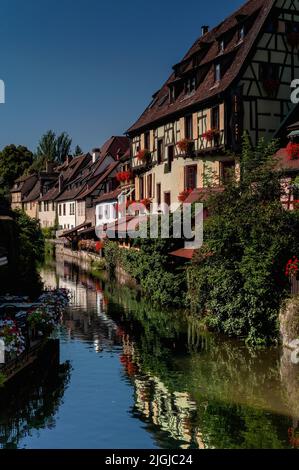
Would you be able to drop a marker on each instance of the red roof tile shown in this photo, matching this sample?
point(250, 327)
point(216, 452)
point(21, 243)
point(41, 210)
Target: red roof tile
point(208, 50)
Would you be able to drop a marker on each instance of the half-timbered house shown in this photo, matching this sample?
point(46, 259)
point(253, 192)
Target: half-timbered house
point(235, 77)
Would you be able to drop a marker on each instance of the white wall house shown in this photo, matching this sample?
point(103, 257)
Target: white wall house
point(106, 212)
point(47, 213)
point(66, 215)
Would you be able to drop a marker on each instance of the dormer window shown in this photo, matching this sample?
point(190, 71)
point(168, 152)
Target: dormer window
point(241, 34)
point(221, 46)
point(217, 73)
point(190, 85)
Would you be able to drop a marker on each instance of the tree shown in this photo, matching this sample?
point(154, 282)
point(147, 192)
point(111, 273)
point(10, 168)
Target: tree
point(78, 151)
point(51, 148)
point(63, 147)
point(46, 149)
point(237, 280)
point(14, 161)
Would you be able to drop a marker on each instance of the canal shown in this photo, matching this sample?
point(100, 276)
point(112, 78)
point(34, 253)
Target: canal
point(134, 376)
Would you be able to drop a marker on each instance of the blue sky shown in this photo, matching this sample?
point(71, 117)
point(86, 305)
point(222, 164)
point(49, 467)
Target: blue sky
point(90, 67)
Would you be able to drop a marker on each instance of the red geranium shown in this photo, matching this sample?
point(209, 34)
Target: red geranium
point(99, 246)
point(292, 151)
point(123, 176)
point(185, 145)
point(143, 154)
point(184, 194)
point(211, 134)
point(292, 267)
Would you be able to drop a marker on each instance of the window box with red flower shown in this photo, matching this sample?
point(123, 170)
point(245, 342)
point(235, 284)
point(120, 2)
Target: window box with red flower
point(186, 146)
point(143, 155)
point(212, 135)
point(184, 194)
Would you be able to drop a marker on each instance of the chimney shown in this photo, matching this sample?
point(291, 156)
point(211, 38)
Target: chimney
point(95, 154)
point(204, 30)
point(60, 182)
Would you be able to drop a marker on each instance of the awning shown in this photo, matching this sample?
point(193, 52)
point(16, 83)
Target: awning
point(294, 134)
point(183, 253)
point(75, 229)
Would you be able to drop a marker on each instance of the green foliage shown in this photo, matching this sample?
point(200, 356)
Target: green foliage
point(14, 161)
point(237, 280)
point(78, 151)
point(51, 148)
point(49, 233)
point(156, 272)
point(30, 247)
point(2, 379)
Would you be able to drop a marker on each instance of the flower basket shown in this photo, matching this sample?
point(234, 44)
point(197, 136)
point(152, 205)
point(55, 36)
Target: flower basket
point(292, 267)
point(211, 135)
point(185, 145)
point(293, 39)
point(184, 194)
point(42, 321)
point(124, 176)
point(143, 155)
point(292, 151)
point(271, 86)
point(12, 336)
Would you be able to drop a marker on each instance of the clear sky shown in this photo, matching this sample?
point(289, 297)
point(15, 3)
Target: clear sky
point(89, 67)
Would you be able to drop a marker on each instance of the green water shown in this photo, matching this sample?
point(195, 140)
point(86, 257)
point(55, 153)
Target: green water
point(134, 376)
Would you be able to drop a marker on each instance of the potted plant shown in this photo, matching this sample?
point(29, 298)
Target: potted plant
point(12, 336)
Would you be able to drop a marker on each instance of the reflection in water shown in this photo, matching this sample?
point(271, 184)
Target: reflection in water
point(189, 389)
point(31, 401)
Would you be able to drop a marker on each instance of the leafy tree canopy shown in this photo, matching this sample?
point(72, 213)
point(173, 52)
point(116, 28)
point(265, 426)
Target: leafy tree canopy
point(14, 161)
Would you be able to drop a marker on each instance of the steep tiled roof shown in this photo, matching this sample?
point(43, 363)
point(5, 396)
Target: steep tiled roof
point(89, 190)
point(284, 163)
point(113, 195)
point(206, 53)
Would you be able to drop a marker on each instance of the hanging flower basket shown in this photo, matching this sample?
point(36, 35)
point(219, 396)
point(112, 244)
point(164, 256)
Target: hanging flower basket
point(293, 151)
point(292, 267)
point(184, 194)
point(293, 39)
point(124, 176)
point(185, 145)
point(271, 86)
point(143, 155)
point(211, 135)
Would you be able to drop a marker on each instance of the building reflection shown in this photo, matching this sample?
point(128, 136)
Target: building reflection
point(32, 400)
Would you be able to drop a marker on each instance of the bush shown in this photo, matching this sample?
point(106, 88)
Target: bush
point(237, 280)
